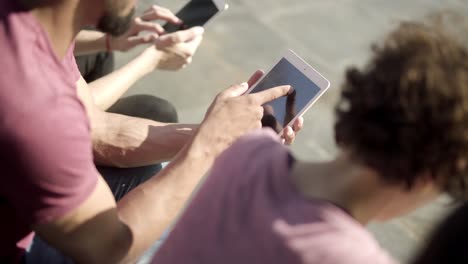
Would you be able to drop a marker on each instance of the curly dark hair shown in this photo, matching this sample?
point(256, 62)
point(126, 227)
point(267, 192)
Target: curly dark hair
point(406, 112)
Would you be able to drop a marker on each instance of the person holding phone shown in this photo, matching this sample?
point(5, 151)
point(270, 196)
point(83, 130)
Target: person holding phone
point(107, 86)
point(401, 126)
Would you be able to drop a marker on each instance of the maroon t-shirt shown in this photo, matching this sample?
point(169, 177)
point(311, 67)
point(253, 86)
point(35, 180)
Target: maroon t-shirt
point(45, 143)
point(248, 212)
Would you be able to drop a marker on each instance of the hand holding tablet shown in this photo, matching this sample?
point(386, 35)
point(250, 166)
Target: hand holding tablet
point(307, 83)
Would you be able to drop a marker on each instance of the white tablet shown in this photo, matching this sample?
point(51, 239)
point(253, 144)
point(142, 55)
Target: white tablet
point(308, 85)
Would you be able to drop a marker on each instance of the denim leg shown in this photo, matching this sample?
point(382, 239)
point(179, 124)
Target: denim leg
point(122, 181)
point(41, 253)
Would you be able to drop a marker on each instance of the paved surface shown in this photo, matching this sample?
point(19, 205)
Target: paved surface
point(330, 35)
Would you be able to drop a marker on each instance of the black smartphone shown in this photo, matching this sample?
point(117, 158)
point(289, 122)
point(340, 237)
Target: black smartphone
point(196, 13)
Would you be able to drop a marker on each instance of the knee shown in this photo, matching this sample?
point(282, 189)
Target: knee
point(149, 107)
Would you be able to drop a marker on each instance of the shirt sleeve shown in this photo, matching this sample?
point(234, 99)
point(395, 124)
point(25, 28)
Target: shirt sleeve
point(51, 169)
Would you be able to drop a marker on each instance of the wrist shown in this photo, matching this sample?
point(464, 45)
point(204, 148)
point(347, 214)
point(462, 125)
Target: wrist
point(202, 147)
point(151, 58)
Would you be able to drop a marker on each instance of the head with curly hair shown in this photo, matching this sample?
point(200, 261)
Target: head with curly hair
point(405, 114)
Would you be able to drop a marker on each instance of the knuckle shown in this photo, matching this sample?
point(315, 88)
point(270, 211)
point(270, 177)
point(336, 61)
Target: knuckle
point(188, 54)
point(220, 96)
point(176, 38)
point(173, 38)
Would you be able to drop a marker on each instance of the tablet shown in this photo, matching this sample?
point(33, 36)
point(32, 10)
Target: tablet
point(196, 13)
point(307, 83)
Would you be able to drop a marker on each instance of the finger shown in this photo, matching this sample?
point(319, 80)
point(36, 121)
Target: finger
point(288, 135)
point(138, 40)
point(233, 91)
point(185, 50)
point(193, 45)
point(268, 109)
point(179, 37)
point(271, 94)
point(158, 12)
point(255, 77)
point(141, 25)
point(298, 124)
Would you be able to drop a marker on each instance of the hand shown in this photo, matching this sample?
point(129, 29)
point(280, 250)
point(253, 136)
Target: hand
point(288, 134)
point(175, 51)
point(131, 38)
point(233, 114)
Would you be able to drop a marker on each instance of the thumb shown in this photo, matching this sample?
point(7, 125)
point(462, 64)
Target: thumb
point(179, 37)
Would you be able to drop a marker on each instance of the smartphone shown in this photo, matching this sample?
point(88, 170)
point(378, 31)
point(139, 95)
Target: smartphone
point(307, 83)
point(196, 13)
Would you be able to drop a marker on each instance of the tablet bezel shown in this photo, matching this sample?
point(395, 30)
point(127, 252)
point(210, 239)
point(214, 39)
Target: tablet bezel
point(312, 74)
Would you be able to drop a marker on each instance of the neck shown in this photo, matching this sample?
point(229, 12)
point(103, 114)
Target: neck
point(356, 189)
point(62, 20)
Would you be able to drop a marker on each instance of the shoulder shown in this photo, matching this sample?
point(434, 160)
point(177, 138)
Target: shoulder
point(260, 145)
point(260, 138)
point(47, 153)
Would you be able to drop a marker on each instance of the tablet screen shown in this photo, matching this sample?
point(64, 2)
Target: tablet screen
point(195, 13)
point(280, 112)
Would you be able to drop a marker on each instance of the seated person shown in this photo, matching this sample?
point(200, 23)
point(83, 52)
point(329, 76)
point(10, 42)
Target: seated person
point(52, 131)
point(94, 53)
point(402, 126)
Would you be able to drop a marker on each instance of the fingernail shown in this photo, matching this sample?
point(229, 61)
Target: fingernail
point(290, 132)
point(244, 84)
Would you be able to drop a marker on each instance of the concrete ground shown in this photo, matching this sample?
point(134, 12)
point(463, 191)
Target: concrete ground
point(330, 35)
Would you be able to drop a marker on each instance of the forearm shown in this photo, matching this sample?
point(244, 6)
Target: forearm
point(89, 41)
point(123, 141)
point(108, 89)
point(151, 208)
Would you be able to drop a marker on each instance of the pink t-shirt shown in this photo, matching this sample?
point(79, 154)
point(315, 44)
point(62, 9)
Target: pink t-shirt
point(247, 211)
point(45, 143)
